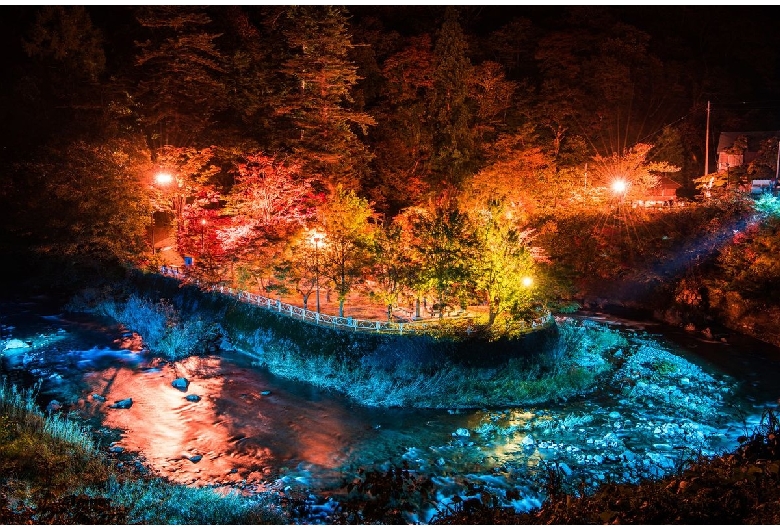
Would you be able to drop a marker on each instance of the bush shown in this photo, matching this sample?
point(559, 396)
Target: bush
point(52, 473)
point(162, 503)
point(166, 331)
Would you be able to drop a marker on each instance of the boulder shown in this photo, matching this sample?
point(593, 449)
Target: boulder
point(15, 344)
point(123, 404)
point(462, 432)
point(195, 459)
point(193, 397)
point(180, 383)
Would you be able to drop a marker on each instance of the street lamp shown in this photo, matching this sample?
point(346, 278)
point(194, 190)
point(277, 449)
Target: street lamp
point(316, 238)
point(619, 186)
point(202, 229)
point(527, 281)
point(165, 179)
point(153, 249)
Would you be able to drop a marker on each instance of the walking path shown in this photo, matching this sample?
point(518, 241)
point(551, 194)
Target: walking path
point(376, 324)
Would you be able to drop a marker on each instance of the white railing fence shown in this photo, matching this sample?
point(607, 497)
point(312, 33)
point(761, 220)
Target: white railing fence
point(322, 319)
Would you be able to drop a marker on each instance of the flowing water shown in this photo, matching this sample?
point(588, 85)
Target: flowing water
point(239, 426)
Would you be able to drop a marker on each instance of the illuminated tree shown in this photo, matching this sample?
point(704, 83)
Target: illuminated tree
point(445, 241)
point(270, 201)
point(318, 101)
point(181, 186)
point(390, 264)
point(492, 93)
point(631, 172)
point(504, 261)
point(298, 266)
point(404, 136)
point(450, 113)
point(409, 248)
point(519, 174)
point(270, 194)
point(348, 236)
point(764, 166)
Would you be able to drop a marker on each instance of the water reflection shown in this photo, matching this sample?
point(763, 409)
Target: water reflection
point(241, 431)
point(250, 428)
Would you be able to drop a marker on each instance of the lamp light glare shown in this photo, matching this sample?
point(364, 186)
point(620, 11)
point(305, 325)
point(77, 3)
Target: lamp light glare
point(619, 186)
point(163, 178)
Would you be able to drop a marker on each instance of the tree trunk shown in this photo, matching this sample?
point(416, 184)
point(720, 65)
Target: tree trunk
point(491, 316)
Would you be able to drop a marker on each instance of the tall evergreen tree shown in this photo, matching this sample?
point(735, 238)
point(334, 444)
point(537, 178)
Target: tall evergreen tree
point(453, 138)
point(180, 89)
point(404, 137)
point(319, 98)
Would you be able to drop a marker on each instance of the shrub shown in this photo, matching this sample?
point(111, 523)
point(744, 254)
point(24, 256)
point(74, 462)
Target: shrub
point(166, 331)
point(159, 502)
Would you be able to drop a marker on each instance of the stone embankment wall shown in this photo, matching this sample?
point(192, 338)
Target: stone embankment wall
point(245, 325)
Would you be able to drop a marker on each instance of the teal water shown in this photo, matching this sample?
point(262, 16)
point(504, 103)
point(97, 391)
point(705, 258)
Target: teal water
point(256, 432)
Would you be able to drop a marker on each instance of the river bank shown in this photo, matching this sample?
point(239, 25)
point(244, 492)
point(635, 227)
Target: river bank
point(254, 432)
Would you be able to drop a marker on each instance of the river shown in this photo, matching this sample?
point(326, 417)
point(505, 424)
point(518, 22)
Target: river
point(238, 426)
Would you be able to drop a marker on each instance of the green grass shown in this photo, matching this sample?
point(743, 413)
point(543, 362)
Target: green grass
point(51, 472)
point(573, 371)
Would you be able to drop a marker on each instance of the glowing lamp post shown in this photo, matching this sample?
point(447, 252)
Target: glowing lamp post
point(153, 249)
point(619, 186)
point(161, 179)
point(202, 230)
point(316, 238)
point(165, 179)
point(527, 281)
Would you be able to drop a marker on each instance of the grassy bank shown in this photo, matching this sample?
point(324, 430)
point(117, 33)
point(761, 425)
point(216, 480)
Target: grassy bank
point(374, 370)
point(405, 374)
point(52, 472)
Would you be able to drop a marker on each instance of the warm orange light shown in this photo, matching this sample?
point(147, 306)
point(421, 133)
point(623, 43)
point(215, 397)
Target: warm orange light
point(316, 237)
point(528, 281)
point(163, 179)
point(203, 222)
point(619, 186)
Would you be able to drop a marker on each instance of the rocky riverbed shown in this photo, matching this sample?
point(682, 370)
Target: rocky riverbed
point(656, 409)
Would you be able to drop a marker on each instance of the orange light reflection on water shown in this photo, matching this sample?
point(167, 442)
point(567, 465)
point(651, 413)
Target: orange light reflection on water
point(240, 433)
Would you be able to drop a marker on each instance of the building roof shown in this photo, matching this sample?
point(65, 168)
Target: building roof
point(667, 183)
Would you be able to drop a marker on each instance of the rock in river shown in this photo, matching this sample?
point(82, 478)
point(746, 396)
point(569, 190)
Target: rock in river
point(123, 404)
point(181, 383)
